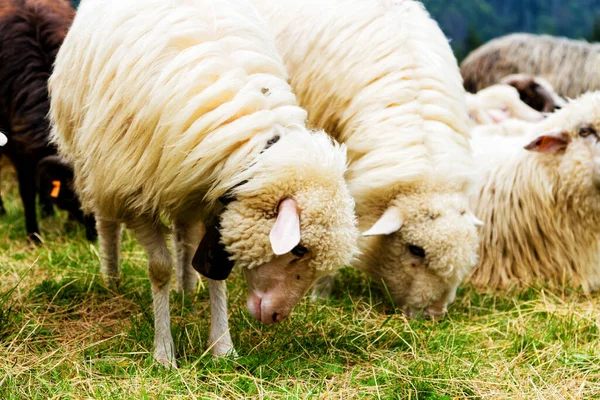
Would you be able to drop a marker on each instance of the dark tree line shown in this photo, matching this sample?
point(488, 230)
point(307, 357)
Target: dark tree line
point(470, 22)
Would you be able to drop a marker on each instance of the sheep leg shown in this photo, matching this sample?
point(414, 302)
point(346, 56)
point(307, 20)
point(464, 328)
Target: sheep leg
point(185, 240)
point(109, 236)
point(322, 288)
point(46, 205)
point(149, 234)
point(89, 222)
point(28, 193)
point(219, 337)
point(2, 208)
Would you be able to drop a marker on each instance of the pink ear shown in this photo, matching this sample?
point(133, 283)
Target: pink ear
point(549, 143)
point(285, 234)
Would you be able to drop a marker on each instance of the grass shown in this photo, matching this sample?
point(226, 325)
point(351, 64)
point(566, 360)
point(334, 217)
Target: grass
point(63, 334)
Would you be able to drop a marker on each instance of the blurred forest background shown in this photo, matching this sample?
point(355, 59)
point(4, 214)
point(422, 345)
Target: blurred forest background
point(469, 23)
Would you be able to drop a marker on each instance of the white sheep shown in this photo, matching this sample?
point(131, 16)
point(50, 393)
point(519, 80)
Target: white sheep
point(182, 109)
point(380, 76)
point(498, 103)
point(539, 197)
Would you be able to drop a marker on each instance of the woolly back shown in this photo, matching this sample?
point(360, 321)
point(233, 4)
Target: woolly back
point(571, 66)
point(160, 104)
point(379, 76)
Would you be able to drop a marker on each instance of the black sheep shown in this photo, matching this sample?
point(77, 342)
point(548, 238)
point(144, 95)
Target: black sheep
point(31, 32)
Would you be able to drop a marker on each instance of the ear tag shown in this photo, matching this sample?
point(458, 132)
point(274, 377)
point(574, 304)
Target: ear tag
point(55, 189)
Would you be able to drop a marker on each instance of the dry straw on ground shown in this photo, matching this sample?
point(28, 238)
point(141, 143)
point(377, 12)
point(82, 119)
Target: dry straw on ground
point(64, 335)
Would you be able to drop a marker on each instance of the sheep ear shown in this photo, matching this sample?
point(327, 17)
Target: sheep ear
point(285, 234)
point(3, 139)
point(211, 259)
point(551, 142)
point(390, 222)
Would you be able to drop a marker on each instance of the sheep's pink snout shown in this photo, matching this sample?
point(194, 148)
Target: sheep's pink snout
point(262, 308)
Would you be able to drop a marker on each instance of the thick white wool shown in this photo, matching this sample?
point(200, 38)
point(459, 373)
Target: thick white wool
point(163, 106)
point(541, 210)
point(382, 79)
point(379, 76)
point(170, 101)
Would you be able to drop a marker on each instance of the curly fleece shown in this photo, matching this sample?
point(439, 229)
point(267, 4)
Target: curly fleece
point(541, 210)
point(380, 77)
point(163, 107)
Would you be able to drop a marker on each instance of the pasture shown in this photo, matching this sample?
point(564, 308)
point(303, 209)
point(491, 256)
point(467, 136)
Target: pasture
point(63, 334)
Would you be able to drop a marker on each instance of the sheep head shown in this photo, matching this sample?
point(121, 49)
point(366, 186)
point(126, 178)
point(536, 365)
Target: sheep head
point(425, 245)
point(570, 140)
point(291, 223)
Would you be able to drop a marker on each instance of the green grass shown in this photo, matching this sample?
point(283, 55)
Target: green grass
point(63, 334)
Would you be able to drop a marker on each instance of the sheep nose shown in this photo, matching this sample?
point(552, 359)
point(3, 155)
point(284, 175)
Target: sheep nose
point(278, 317)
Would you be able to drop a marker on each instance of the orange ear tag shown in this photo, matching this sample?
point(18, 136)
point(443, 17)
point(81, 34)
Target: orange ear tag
point(55, 189)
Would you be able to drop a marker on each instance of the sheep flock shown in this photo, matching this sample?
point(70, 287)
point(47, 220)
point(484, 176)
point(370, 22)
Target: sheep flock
point(288, 139)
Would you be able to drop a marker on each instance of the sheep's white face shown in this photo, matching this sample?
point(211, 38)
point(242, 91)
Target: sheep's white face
point(285, 243)
point(571, 138)
point(573, 149)
point(425, 254)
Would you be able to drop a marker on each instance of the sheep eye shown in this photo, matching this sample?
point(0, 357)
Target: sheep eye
point(299, 251)
point(587, 130)
point(416, 251)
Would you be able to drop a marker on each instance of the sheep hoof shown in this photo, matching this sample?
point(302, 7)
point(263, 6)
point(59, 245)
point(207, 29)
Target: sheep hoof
point(113, 284)
point(34, 239)
point(164, 359)
point(222, 350)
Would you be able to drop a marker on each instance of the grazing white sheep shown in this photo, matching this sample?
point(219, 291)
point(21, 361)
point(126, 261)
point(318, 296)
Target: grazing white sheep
point(498, 103)
point(181, 108)
point(539, 197)
point(3, 139)
point(380, 76)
